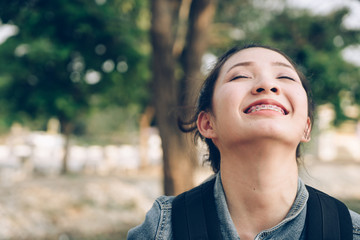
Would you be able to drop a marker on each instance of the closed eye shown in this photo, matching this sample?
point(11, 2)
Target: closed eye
point(286, 77)
point(238, 77)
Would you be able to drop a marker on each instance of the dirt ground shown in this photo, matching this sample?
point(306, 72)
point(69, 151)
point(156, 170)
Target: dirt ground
point(76, 207)
point(106, 207)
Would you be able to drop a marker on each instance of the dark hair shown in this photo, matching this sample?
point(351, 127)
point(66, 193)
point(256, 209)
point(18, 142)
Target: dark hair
point(204, 102)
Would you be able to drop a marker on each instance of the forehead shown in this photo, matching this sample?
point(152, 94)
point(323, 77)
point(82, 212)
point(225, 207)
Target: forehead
point(256, 55)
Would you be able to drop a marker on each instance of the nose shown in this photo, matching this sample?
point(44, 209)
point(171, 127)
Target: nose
point(265, 86)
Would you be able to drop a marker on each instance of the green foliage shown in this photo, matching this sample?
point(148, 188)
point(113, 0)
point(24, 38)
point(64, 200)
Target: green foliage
point(71, 56)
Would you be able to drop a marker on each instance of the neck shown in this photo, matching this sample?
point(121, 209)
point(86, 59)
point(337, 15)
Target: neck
point(260, 183)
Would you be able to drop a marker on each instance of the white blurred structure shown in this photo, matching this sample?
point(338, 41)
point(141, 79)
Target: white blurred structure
point(336, 144)
point(25, 152)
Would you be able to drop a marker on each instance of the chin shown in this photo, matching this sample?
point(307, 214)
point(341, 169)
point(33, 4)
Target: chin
point(273, 132)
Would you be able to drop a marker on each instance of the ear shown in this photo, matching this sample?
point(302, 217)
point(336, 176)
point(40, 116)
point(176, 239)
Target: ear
point(205, 125)
point(306, 136)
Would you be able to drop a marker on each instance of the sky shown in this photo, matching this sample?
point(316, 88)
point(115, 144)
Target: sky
point(7, 30)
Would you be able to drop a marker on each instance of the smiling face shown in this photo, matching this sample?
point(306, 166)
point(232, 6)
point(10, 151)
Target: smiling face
point(258, 95)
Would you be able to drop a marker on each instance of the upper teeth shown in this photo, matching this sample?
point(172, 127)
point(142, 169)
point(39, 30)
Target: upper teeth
point(266, 107)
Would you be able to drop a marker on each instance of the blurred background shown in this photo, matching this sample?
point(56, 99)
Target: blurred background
point(90, 93)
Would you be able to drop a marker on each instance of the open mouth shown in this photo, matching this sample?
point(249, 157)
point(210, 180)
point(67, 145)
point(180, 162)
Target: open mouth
point(266, 105)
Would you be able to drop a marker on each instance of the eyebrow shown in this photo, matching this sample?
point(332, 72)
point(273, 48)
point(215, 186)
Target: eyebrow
point(240, 64)
point(282, 65)
point(252, 63)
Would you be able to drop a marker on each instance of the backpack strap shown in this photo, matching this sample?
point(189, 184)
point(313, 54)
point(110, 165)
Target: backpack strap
point(194, 214)
point(327, 217)
point(211, 216)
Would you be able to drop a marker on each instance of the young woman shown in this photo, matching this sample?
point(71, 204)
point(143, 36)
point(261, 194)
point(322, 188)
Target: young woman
point(253, 112)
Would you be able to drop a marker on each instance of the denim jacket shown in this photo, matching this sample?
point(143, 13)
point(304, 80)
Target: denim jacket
point(157, 224)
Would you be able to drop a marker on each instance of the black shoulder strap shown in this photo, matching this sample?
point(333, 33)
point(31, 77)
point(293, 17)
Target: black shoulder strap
point(194, 214)
point(327, 217)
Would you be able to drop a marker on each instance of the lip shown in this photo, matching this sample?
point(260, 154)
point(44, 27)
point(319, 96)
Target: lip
point(267, 102)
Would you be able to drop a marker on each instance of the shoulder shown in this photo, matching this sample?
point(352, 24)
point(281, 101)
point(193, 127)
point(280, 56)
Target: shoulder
point(165, 202)
point(355, 217)
point(157, 223)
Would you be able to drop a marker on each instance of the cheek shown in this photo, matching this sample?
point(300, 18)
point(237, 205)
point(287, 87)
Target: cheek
point(301, 101)
point(226, 106)
point(228, 96)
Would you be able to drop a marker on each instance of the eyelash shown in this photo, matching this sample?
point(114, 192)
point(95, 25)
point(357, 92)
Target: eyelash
point(237, 77)
point(286, 77)
point(281, 77)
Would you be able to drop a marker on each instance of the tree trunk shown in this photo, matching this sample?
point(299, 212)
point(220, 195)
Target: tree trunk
point(178, 173)
point(67, 129)
point(168, 95)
